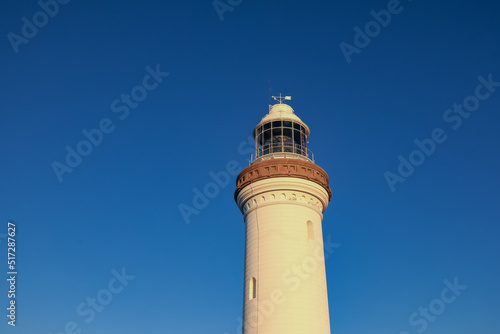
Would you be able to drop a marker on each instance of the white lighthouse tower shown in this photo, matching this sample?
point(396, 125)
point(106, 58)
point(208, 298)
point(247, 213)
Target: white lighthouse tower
point(283, 195)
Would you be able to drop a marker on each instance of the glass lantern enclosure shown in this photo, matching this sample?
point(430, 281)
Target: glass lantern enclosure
point(280, 137)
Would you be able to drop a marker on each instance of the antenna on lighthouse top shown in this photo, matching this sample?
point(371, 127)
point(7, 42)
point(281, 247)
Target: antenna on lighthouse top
point(280, 98)
point(269, 93)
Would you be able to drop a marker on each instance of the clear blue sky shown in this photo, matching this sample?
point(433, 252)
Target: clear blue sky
point(119, 206)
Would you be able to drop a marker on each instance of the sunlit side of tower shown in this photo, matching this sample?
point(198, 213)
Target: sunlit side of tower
point(283, 195)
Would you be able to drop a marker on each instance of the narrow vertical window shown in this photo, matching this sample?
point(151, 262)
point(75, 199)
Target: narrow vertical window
point(310, 230)
point(252, 289)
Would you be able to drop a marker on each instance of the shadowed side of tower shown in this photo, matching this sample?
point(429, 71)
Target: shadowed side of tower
point(282, 196)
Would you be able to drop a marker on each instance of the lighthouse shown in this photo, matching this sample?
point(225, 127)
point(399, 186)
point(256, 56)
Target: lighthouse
point(282, 195)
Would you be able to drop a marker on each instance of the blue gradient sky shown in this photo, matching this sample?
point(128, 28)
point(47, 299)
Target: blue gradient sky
point(120, 206)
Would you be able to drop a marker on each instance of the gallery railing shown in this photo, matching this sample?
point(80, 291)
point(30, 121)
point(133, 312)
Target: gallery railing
point(282, 151)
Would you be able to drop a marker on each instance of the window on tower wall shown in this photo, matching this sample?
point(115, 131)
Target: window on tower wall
point(252, 289)
point(310, 230)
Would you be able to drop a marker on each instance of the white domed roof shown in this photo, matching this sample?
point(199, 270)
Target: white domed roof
point(281, 111)
point(281, 107)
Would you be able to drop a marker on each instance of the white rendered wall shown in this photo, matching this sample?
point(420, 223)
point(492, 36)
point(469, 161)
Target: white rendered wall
point(285, 260)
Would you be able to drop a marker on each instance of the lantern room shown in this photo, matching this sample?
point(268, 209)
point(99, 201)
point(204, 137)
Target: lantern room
point(281, 134)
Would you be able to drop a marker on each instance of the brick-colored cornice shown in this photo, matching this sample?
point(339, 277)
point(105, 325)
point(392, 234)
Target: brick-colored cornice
point(265, 169)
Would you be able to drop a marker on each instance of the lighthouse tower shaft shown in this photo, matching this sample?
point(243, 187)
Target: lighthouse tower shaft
point(282, 196)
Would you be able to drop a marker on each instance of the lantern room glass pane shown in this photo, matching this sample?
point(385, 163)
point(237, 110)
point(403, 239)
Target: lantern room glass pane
point(303, 143)
point(288, 144)
point(287, 124)
point(276, 124)
point(288, 135)
point(267, 126)
point(267, 137)
point(296, 137)
point(296, 126)
point(276, 140)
